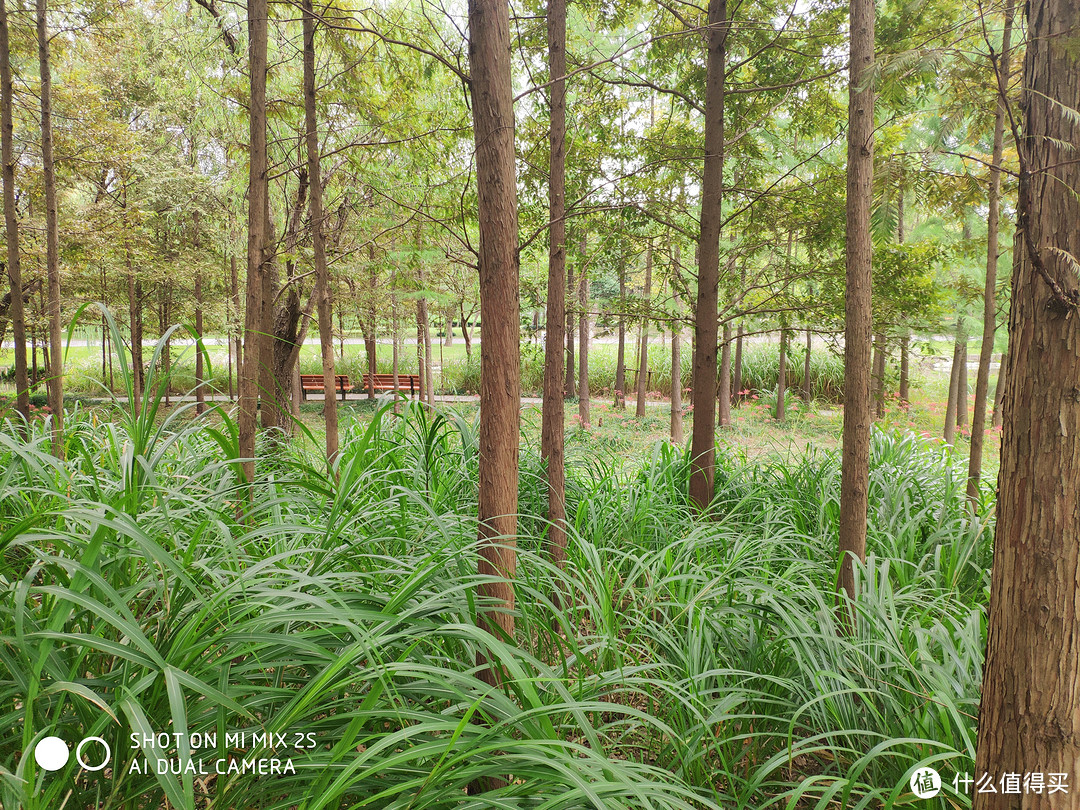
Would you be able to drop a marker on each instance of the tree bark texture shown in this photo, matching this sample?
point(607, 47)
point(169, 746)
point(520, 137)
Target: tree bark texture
point(952, 404)
point(55, 383)
point(583, 340)
point(552, 446)
point(643, 342)
point(620, 360)
point(878, 376)
point(500, 366)
point(17, 311)
point(855, 458)
point(323, 292)
point(723, 409)
point(993, 226)
point(1029, 717)
point(254, 324)
point(781, 379)
point(703, 442)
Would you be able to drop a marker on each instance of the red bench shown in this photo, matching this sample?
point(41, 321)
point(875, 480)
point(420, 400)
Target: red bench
point(385, 382)
point(314, 382)
point(382, 382)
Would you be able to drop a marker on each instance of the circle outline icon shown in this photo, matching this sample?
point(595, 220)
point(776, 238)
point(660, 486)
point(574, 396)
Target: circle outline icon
point(104, 762)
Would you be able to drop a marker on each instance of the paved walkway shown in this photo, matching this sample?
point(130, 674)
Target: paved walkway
point(313, 397)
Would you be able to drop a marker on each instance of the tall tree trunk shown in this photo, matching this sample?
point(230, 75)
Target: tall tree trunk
point(200, 391)
point(135, 321)
point(254, 324)
point(620, 361)
point(807, 387)
point(571, 388)
point(322, 293)
point(55, 384)
point(468, 338)
point(448, 323)
point(993, 226)
point(999, 392)
point(238, 344)
point(703, 442)
point(429, 365)
point(878, 376)
point(643, 345)
point(553, 417)
point(962, 390)
point(395, 354)
point(781, 378)
point(905, 370)
point(17, 309)
point(1029, 717)
point(420, 364)
point(855, 464)
point(371, 331)
point(286, 318)
point(500, 379)
point(736, 371)
point(583, 340)
point(677, 437)
point(723, 393)
point(952, 403)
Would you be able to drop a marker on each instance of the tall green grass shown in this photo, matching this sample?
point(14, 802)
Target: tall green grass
point(698, 663)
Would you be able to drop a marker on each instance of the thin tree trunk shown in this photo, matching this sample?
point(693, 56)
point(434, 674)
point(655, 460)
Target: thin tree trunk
point(254, 323)
point(341, 333)
point(781, 379)
point(55, 384)
point(807, 387)
point(200, 391)
point(322, 293)
point(905, 371)
point(370, 333)
point(643, 339)
point(620, 362)
point(135, 321)
point(429, 365)
point(724, 384)
point(571, 388)
point(553, 417)
point(420, 365)
point(238, 344)
point(395, 352)
point(999, 392)
point(677, 436)
point(468, 338)
point(878, 373)
point(855, 463)
point(993, 226)
point(17, 310)
point(703, 442)
point(736, 372)
point(500, 386)
point(954, 385)
point(962, 387)
point(1029, 717)
point(583, 341)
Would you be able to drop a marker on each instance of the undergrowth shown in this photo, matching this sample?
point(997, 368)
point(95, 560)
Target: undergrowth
point(695, 662)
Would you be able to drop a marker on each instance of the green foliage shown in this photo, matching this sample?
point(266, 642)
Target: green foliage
point(697, 664)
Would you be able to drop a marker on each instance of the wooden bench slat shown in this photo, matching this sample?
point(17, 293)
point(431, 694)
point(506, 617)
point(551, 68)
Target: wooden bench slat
point(380, 382)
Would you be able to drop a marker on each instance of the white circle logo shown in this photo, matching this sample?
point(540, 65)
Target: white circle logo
point(105, 759)
point(51, 753)
point(925, 783)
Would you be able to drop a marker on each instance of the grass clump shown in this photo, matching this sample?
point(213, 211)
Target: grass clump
point(698, 663)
